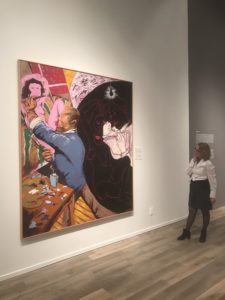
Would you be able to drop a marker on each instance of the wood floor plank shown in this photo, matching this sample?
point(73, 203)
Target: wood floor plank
point(215, 292)
point(153, 265)
point(99, 294)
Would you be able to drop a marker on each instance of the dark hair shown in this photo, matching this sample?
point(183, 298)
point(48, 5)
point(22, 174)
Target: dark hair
point(26, 90)
point(204, 150)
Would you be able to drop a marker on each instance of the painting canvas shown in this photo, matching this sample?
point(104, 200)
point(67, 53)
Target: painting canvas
point(75, 147)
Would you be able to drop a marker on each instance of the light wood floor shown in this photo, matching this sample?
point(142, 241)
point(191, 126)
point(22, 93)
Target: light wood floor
point(153, 265)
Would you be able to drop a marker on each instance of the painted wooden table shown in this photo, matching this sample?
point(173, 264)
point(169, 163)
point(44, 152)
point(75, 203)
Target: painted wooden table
point(42, 204)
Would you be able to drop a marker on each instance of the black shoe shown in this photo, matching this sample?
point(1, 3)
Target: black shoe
point(203, 236)
point(185, 235)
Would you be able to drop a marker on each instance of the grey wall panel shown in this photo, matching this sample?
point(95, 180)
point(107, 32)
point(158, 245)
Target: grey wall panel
point(207, 79)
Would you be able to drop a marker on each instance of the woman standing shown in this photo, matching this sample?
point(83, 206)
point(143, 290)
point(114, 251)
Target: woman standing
point(202, 189)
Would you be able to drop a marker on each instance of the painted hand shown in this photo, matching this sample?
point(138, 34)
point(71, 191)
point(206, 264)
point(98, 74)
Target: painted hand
point(47, 154)
point(29, 104)
point(107, 129)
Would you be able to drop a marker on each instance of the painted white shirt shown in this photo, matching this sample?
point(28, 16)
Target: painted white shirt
point(203, 170)
point(119, 141)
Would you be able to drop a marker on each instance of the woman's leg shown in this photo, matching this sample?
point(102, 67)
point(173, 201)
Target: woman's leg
point(206, 219)
point(191, 218)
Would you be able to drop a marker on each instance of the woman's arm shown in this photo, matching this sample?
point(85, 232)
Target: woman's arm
point(211, 174)
point(189, 170)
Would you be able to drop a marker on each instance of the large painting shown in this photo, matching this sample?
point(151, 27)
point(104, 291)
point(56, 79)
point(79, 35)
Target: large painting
point(76, 147)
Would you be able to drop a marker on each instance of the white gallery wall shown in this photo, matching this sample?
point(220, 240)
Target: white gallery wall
point(143, 41)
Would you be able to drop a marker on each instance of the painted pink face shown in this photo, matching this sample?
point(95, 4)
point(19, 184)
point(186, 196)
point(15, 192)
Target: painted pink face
point(63, 123)
point(35, 90)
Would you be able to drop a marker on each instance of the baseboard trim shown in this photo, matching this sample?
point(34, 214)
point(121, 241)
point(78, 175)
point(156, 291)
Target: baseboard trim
point(84, 250)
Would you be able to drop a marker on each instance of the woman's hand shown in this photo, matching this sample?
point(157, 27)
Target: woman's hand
point(213, 200)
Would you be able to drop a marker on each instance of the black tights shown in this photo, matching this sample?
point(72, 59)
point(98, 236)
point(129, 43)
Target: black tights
point(192, 215)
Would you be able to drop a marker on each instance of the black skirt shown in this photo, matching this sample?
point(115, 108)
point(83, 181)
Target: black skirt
point(199, 196)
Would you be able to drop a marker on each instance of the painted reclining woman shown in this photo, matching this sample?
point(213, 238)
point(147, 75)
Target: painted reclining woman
point(48, 108)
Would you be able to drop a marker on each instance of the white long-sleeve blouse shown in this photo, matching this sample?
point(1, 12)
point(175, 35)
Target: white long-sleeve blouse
point(202, 170)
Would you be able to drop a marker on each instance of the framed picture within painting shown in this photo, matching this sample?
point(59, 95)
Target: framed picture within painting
point(75, 147)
